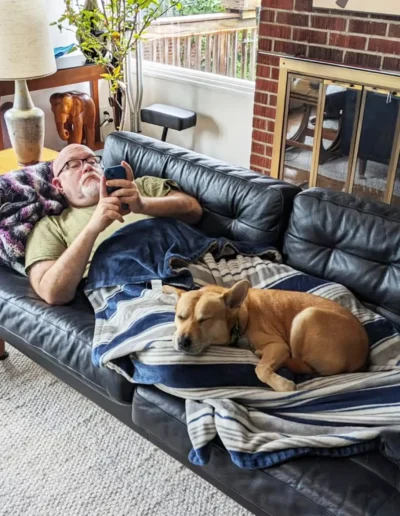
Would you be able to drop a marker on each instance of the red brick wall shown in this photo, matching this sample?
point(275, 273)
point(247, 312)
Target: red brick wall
point(294, 28)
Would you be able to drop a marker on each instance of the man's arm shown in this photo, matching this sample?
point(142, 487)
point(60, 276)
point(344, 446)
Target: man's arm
point(56, 281)
point(177, 205)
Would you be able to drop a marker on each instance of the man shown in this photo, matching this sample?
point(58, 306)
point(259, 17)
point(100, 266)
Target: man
point(60, 248)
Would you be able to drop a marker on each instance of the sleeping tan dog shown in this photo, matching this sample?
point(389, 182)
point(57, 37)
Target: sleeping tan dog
point(304, 332)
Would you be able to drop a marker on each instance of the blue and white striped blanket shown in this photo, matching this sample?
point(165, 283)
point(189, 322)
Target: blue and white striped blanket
point(333, 416)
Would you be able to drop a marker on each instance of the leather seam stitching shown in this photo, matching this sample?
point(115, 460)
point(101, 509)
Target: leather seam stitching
point(312, 196)
point(390, 264)
point(244, 223)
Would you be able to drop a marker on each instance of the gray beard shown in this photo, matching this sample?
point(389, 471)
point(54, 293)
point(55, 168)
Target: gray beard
point(90, 188)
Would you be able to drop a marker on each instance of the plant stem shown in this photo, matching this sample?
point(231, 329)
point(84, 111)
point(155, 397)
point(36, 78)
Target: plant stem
point(112, 14)
point(105, 13)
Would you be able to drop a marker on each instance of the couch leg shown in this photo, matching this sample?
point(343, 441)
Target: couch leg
point(3, 352)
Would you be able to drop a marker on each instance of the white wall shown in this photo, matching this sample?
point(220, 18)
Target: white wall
point(54, 10)
point(224, 108)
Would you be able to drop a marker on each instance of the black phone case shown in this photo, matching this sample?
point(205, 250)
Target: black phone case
point(117, 172)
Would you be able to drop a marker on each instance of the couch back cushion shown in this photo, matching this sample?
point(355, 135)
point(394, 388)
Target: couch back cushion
point(238, 204)
point(348, 240)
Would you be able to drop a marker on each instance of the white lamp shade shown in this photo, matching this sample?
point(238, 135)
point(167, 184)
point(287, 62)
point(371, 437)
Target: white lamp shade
point(26, 50)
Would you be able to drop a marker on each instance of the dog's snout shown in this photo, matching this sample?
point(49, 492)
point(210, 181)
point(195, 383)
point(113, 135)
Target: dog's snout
point(184, 343)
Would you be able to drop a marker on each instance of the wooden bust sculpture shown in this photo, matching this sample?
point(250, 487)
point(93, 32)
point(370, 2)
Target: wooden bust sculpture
point(75, 116)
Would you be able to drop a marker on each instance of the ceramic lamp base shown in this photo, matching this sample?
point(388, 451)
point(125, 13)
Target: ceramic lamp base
point(25, 125)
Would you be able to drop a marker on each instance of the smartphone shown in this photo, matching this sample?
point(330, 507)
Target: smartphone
point(117, 172)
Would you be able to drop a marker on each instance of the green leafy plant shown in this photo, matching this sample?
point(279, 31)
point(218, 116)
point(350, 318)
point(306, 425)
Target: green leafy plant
point(189, 7)
point(109, 32)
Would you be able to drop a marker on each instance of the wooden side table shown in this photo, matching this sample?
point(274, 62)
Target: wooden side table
point(8, 161)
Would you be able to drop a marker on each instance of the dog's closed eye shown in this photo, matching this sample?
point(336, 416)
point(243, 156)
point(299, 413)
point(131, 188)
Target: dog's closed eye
point(181, 317)
point(203, 319)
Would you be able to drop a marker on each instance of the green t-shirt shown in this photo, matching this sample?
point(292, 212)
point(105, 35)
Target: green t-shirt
point(51, 236)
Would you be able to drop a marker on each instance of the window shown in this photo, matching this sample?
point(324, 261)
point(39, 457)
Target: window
point(216, 36)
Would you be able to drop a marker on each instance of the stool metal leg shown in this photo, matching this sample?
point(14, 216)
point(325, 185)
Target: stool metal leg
point(164, 134)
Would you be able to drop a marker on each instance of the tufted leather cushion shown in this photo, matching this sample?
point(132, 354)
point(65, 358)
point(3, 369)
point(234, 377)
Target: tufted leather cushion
point(238, 204)
point(348, 240)
point(63, 332)
point(365, 485)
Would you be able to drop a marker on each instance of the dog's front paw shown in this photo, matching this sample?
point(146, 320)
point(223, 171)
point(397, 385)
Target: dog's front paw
point(283, 385)
point(278, 383)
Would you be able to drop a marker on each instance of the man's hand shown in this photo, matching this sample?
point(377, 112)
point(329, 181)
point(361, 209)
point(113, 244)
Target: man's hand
point(128, 192)
point(175, 204)
point(107, 210)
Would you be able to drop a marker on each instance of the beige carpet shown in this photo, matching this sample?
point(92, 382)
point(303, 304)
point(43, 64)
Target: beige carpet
point(62, 455)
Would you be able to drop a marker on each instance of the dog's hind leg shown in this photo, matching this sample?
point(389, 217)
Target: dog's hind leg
point(274, 355)
point(322, 339)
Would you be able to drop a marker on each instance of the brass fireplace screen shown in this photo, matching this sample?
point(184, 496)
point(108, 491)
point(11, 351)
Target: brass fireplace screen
point(338, 128)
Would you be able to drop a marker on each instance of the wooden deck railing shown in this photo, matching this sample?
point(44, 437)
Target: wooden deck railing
point(230, 51)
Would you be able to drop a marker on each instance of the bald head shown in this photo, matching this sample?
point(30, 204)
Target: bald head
point(72, 151)
point(80, 183)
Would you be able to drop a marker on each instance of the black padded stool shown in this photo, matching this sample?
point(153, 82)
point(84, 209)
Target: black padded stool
point(169, 117)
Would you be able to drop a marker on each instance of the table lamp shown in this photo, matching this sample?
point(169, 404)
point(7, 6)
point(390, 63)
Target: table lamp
point(26, 52)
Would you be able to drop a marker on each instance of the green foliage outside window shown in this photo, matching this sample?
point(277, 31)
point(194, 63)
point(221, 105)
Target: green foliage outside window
point(189, 7)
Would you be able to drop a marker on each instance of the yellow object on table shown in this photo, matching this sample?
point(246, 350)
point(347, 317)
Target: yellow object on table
point(8, 159)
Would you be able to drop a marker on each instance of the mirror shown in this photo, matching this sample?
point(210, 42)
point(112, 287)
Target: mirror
point(379, 122)
point(300, 127)
point(341, 111)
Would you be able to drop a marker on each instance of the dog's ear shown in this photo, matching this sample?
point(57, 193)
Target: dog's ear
point(235, 296)
point(168, 289)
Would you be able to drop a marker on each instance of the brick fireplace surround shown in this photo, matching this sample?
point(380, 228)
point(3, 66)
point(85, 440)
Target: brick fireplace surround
point(294, 28)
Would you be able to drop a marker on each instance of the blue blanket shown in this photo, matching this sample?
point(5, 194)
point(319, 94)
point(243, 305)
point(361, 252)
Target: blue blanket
point(334, 416)
point(160, 249)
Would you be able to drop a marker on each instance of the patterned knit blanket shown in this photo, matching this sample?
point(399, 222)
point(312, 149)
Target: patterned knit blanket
point(26, 196)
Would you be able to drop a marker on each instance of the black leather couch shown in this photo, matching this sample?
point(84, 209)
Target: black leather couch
point(329, 234)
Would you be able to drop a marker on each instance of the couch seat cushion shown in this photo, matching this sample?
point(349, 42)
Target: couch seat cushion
point(63, 332)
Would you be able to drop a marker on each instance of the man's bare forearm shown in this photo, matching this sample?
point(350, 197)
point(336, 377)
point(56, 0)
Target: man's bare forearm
point(176, 205)
point(58, 285)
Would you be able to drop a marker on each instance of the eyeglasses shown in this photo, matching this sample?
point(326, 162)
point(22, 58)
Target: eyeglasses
point(77, 164)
